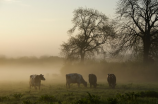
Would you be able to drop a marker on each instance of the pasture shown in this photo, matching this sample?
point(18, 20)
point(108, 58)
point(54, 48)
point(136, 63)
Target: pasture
point(136, 83)
point(57, 93)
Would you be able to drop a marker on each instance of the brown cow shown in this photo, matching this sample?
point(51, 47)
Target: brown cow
point(93, 80)
point(111, 78)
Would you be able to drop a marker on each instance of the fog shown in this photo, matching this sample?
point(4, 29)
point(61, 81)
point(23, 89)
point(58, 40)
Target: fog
point(54, 72)
point(22, 73)
point(131, 72)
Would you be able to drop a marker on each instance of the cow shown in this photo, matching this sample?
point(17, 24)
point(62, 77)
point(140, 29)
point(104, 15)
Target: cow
point(93, 80)
point(35, 80)
point(75, 78)
point(111, 78)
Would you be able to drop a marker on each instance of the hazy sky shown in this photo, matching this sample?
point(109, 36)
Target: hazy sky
point(39, 27)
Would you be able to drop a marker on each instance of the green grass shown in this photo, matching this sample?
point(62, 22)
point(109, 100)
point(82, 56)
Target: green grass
point(136, 84)
point(124, 93)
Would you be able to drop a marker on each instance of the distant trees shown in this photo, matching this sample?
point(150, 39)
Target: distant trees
point(93, 30)
point(139, 30)
point(32, 60)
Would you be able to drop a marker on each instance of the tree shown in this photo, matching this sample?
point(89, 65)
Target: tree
point(93, 30)
point(139, 32)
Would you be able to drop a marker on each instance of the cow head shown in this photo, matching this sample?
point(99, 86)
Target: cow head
point(42, 77)
point(110, 75)
point(85, 84)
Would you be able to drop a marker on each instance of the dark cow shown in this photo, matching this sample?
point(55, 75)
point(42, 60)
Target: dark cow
point(35, 80)
point(93, 80)
point(75, 78)
point(111, 78)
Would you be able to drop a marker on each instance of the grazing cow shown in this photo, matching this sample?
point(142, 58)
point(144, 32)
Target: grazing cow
point(93, 80)
point(75, 78)
point(35, 80)
point(111, 78)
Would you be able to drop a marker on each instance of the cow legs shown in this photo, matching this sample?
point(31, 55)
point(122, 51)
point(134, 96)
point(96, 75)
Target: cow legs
point(31, 86)
point(113, 85)
point(95, 85)
point(35, 87)
point(69, 85)
point(78, 84)
point(110, 85)
point(90, 85)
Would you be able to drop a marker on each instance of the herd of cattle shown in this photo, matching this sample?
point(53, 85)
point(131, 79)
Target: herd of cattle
point(35, 80)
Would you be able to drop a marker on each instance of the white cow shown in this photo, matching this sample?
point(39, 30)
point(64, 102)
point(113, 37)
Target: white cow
point(35, 80)
point(75, 78)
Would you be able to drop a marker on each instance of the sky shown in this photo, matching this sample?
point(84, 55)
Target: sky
point(39, 27)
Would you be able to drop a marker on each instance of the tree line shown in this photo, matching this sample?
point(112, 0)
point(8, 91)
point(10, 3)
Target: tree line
point(134, 31)
point(31, 60)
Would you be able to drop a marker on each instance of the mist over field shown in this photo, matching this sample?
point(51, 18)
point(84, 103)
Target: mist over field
point(54, 70)
point(130, 77)
point(132, 72)
point(19, 70)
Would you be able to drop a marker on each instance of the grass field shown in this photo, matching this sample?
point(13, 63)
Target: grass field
point(136, 83)
point(57, 93)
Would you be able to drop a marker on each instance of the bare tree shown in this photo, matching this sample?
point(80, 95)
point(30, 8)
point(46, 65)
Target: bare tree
point(139, 32)
point(93, 30)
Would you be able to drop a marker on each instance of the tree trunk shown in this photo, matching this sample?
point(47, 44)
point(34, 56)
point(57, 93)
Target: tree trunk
point(146, 54)
point(146, 48)
point(82, 57)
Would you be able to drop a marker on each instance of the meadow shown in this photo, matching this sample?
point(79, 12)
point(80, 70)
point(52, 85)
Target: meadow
point(136, 83)
point(57, 93)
